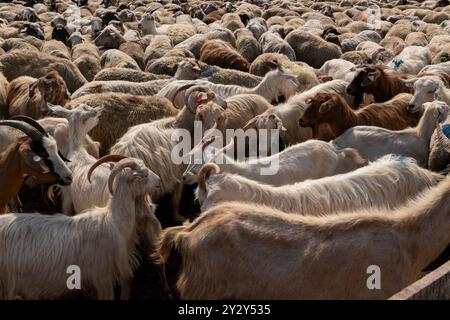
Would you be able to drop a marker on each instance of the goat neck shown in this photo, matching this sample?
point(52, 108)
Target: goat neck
point(11, 175)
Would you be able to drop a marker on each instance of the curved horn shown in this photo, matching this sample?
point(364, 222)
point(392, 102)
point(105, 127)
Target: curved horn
point(32, 123)
point(107, 158)
point(30, 131)
point(186, 86)
point(127, 164)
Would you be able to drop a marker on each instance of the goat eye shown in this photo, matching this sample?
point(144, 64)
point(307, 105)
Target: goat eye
point(37, 158)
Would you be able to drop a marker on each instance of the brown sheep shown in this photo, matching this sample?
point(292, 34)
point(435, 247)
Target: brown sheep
point(29, 96)
point(312, 49)
point(379, 82)
point(394, 44)
point(121, 111)
point(220, 53)
point(37, 65)
point(330, 108)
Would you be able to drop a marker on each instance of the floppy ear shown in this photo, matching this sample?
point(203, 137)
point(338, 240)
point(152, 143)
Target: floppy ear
point(326, 106)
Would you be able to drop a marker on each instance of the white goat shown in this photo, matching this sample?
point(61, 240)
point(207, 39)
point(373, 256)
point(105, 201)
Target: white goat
point(82, 194)
point(388, 182)
point(101, 242)
point(312, 159)
point(373, 142)
point(426, 89)
point(276, 84)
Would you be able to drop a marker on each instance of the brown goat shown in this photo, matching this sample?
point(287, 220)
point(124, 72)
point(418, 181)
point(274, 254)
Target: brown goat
point(382, 84)
point(29, 96)
point(331, 109)
point(219, 53)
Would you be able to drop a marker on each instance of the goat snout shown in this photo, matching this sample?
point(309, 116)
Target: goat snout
point(349, 90)
point(65, 181)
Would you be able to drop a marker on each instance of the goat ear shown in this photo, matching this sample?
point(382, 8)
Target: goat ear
point(371, 77)
point(326, 106)
point(32, 160)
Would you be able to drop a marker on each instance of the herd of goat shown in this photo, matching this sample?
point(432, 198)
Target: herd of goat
point(93, 92)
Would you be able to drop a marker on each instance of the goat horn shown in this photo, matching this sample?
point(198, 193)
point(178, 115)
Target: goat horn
point(30, 131)
point(186, 86)
point(127, 164)
point(107, 158)
point(32, 123)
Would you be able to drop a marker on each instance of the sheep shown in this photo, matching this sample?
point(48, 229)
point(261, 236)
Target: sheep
point(176, 32)
point(247, 45)
point(412, 142)
point(331, 109)
point(230, 77)
point(394, 44)
point(116, 58)
point(110, 232)
point(312, 49)
point(52, 46)
point(366, 35)
point(276, 85)
point(375, 52)
point(439, 157)
point(427, 89)
point(28, 96)
point(306, 76)
point(109, 74)
point(339, 69)
point(121, 111)
point(416, 39)
point(312, 159)
point(159, 45)
point(257, 26)
point(270, 42)
point(196, 42)
point(217, 52)
point(402, 243)
point(86, 57)
point(232, 21)
point(411, 60)
point(35, 155)
point(369, 186)
point(36, 65)
point(376, 80)
point(185, 70)
point(153, 143)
